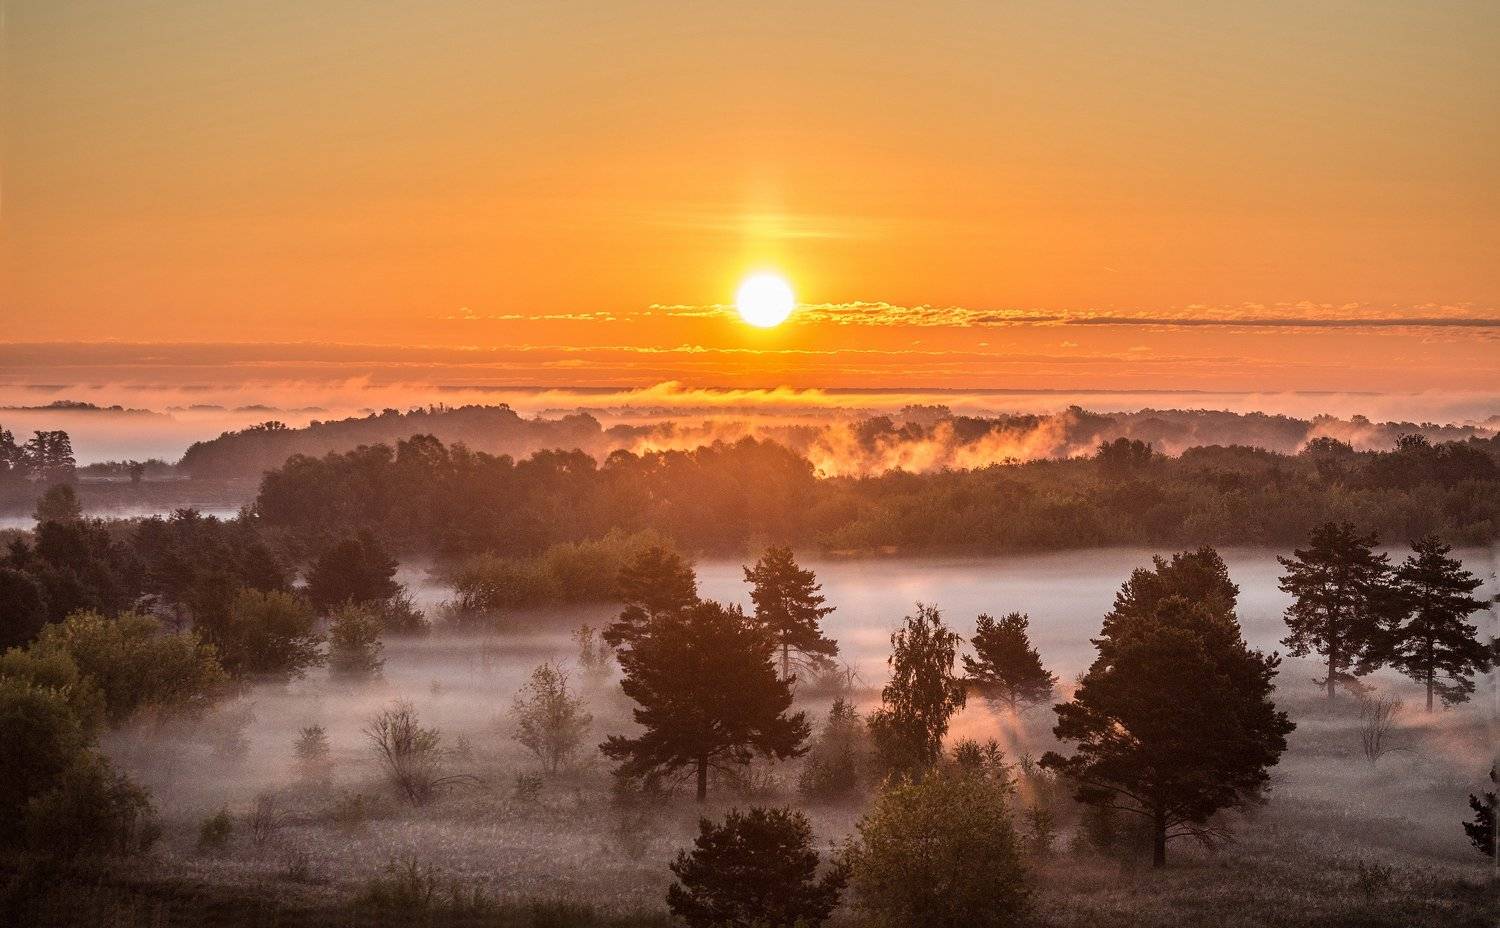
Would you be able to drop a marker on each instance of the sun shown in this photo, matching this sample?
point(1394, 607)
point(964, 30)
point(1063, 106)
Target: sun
point(765, 300)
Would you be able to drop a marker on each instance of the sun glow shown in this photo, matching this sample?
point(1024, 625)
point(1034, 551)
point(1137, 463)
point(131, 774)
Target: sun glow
point(765, 300)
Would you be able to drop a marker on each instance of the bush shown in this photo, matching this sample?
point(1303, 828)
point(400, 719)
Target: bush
point(548, 720)
point(40, 738)
point(835, 762)
point(354, 648)
point(311, 748)
point(265, 636)
point(757, 868)
point(940, 853)
point(215, 832)
point(412, 755)
point(400, 617)
point(92, 811)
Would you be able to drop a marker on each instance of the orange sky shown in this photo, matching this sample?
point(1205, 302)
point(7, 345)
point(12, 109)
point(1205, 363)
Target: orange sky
point(1049, 195)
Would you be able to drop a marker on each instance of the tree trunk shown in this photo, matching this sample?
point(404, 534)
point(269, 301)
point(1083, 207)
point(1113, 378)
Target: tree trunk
point(702, 779)
point(1159, 839)
point(1429, 690)
point(1333, 662)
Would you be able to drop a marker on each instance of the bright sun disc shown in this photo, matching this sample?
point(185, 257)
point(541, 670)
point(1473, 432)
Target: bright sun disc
point(764, 300)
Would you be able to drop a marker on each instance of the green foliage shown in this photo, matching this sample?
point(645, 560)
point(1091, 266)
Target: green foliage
point(265, 636)
point(1341, 589)
point(547, 719)
point(836, 761)
point(90, 811)
point(1005, 669)
point(758, 868)
point(708, 696)
point(356, 571)
point(56, 670)
point(1429, 641)
point(136, 666)
point(789, 606)
point(922, 695)
point(1174, 719)
point(40, 738)
point(354, 645)
point(940, 853)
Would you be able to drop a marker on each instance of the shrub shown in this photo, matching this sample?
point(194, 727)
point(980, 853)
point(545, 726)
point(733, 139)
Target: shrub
point(265, 635)
point(40, 738)
point(91, 811)
point(311, 748)
point(836, 760)
point(757, 868)
point(548, 720)
point(399, 616)
point(354, 647)
point(215, 832)
point(264, 820)
point(412, 755)
point(940, 853)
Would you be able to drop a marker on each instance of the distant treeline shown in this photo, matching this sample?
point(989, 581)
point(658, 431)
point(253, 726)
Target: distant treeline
point(423, 495)
point(918, 438)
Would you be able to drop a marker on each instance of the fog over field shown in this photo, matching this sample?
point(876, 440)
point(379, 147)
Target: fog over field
point(1402, 810)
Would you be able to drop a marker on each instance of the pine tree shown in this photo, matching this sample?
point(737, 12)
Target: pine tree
point(789, 604)
point(709, 697)
point(1174, 719)
point(757, 868)
point(658, 583)
point(1005, 668)
point(1430, 640)
point(1481, 831)
point(1342, 592)
point(922, 695)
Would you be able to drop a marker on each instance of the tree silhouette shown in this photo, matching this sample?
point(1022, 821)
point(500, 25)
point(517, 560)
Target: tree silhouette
point(1429, 641)
point(1481, 831)
point(1341, 589)
point(356, 570)
point(922, 695)
point(1005, 668)
point(757, 868)
point(788, 604)
point(1173, 720)
point(657, 583)
point(709, 697)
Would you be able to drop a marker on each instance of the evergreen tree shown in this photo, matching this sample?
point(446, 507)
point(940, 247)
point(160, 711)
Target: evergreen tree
point(756, 869)
point(657, 583)
point(1174, 720)
point(922, 695)
point(789, 605)
point(58, 504)
point(1005, 668)
point(1342, 593)
point(1481, 831)
point(709, 697)
point(356, 570)
point(1430, 642)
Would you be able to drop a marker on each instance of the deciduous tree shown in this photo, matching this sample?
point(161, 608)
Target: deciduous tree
point(922, 695)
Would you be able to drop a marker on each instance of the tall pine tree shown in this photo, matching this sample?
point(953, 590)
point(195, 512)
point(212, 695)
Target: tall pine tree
point(1005, 668)
point(1174, 719)
point(1342, 595)
point(709, 697)
point(658, 583)
point(1429, 641)
point(789, 605)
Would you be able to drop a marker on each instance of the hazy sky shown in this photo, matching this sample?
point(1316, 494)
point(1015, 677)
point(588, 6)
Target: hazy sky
point(1244, 196)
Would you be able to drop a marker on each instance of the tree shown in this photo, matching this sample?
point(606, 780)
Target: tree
point(656, 584)
point(90, 811)
point(836, 759)
point(1340, 587)
point(136, 666)
point(922, 695)
point(40, 738)
point(709, 697)
point(789, 606)
point(356, 570)
point(312, 751)
point(1123, 456)
point(1173, 720)
point(940, 853)
point(58, 504)
point(1481, 831)
point(354, 646)
point(23, 607)
point(1005, 667)
point(1429, 641)
point(756, 869)
point(265, 636)
point(49, 455)
point(549, 721)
